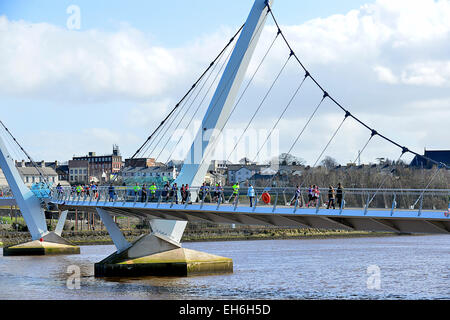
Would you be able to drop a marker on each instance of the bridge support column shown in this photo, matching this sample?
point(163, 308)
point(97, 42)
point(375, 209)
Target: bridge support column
point(43, 242)
point(157, 254)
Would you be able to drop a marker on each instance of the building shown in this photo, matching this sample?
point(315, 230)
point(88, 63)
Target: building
point(140, 162)
point(79, 171)
point(157, 174)
point(99, 168)
point(241, 173)
point(441, 156)
point(31, 174)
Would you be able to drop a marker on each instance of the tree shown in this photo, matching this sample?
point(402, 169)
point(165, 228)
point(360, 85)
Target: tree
point(329, 162)
point(286, 159)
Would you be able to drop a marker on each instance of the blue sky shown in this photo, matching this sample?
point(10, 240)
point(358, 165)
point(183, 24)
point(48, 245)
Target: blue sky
point(169, 22)
point(66, 92)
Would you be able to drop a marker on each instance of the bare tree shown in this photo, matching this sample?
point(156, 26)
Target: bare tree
point(329, 162)
point(288, 159)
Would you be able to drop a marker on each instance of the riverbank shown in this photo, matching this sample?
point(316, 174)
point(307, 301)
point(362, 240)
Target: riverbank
point(101, 237)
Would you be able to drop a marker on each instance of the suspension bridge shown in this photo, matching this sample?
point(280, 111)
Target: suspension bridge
point(160, 252)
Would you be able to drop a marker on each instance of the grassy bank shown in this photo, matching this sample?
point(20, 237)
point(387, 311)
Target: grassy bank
point(208, 234)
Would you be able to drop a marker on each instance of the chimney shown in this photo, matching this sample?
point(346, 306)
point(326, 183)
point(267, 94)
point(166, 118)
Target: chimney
point(23, 164)
point(42, 164)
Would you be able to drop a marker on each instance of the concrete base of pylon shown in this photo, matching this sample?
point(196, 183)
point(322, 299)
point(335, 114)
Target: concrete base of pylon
point(153, 255)
point(50, 244)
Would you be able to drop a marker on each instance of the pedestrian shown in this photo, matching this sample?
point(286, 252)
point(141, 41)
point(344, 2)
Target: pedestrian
point(152, 189)
point(251, 194)
point(316, 195)
point(94, 190)
point(79, 190)
point(144, 193)
point(339, 195)
point(236, 192)
point(187, 193)
point(183, 193)
point(174, 193)
point(165, 193)
point(331, 195)
point(297, 197)
point(201, 193)
point(111, 192)
point(310, 195)
point(136, 189)
point(219, 193)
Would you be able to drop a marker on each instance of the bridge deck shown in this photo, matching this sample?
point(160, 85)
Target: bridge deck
point(426, 221)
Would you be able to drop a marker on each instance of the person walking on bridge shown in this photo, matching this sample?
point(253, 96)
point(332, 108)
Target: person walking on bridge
point(165, 193)
point(144, 193)
point(202, 193)
point(316, 195)
point(183, 193)
point(297, 199)
point(111, 192)
point(251, 194)
point(136, 189)
point(310, 195)
point(339, 195)
point(152, 189)
point(236, 193)
point(94, 190)
point(219, 193)
point(331, 194)
point(174, 193)
point(79, 190)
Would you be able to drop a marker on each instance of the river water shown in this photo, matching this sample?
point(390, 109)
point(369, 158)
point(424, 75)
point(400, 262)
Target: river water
point(404, 267)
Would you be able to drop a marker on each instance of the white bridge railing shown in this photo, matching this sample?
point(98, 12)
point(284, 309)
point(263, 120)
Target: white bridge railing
point(365, 199)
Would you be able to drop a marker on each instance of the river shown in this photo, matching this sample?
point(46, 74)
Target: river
point(403, 267)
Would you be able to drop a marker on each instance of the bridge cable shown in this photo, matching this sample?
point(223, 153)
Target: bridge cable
point(209, 150)
point(385, 178)
point(187, 110)
point(201, 102)
point(339, 105)
point(170, 122)
point(326, 146)
point(184, 97)
point(428, 185)
point(374, 133)
point(27, 155)
point(259, 107)
point(279, 118)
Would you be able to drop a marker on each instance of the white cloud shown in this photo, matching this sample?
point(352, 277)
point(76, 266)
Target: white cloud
point(385, 74)
point(387, 62)
point(434, 73)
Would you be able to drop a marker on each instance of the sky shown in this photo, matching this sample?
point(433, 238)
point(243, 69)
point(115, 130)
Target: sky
point(80, 76)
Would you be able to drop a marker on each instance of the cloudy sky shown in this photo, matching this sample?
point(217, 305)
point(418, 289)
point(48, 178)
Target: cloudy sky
point(69, 86)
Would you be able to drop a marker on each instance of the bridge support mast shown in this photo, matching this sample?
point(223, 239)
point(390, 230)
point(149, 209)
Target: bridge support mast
point(198, 158)
point(43, 242)
point(155, 253)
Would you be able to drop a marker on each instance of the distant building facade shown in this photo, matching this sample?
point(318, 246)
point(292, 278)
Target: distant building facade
point(31, 175)
point(95, 168)
point(140, 162)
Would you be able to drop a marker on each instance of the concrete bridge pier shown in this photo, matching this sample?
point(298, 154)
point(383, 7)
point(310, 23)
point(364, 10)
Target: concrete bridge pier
point(49, 243)
point(158, 253)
